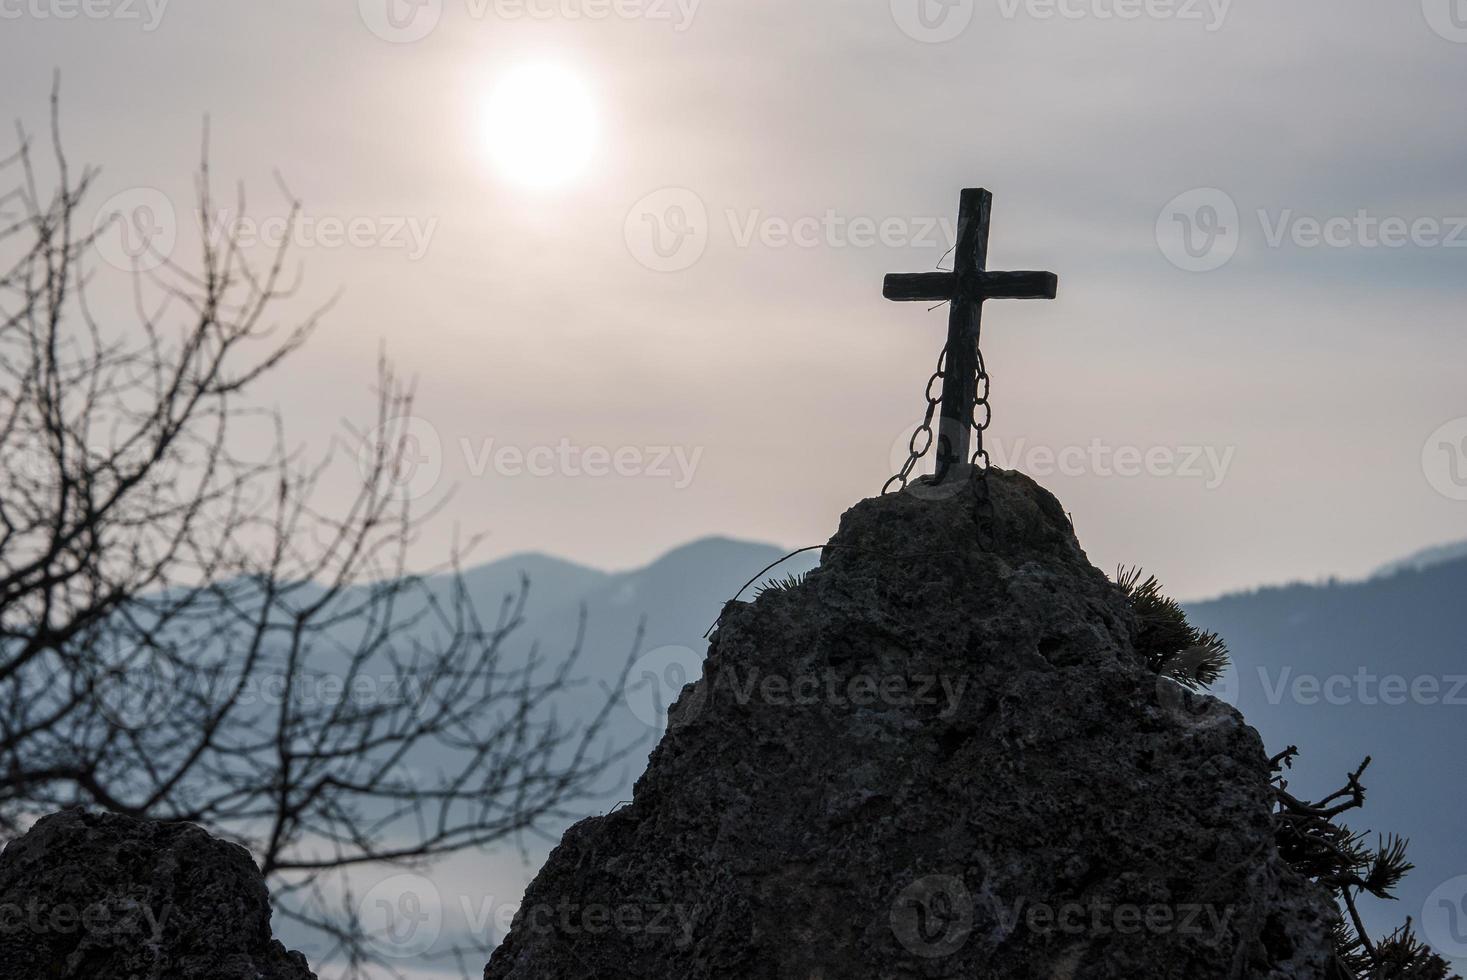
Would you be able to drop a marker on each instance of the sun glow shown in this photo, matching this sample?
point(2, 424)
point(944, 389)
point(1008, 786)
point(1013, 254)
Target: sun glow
point(540, 125)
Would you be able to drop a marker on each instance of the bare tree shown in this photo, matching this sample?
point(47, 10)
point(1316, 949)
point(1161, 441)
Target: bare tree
point(187, 634)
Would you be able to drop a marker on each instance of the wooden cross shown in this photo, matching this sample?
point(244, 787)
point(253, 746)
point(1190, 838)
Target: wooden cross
point(967, 287)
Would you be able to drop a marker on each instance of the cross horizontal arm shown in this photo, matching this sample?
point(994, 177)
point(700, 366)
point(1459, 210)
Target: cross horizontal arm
point(935, 287)
point(915, 286)
point(1016, 285)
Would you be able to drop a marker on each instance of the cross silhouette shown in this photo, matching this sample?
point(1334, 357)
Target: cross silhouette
point(967, 287)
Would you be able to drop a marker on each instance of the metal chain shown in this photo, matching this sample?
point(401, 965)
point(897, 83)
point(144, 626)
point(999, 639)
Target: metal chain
point(983, 514)
point(982, 419)
point(934, 399)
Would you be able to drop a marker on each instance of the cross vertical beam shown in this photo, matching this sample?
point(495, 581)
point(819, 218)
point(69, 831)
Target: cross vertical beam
point(967, 287)
point(964, 327)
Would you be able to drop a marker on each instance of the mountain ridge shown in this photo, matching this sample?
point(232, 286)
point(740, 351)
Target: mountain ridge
point(1415, 561)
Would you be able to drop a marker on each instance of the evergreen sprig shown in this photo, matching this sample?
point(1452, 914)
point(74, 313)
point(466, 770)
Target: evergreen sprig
point(1402, 956)
point(780, 584)
point(1171, 645)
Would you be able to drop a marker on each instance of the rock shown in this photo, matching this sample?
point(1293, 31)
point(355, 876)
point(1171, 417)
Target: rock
point(107, 897)
point(938, 756)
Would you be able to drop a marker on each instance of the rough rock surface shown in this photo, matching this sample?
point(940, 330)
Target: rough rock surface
point(108, 897)
point(939, 756)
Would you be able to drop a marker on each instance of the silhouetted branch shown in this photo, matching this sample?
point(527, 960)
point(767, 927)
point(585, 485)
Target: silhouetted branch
point(188, 633)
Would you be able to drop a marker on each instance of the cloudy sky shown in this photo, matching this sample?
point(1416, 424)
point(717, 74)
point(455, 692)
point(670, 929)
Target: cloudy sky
point(632, 251)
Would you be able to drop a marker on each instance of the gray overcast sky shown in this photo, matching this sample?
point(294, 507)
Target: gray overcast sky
point(711, 281)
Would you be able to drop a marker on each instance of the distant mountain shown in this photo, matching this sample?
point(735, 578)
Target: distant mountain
point(673, 601)
point(1440, 555)
point(1377, 668)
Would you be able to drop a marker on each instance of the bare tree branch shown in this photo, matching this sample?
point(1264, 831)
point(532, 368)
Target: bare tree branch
point(190, 634)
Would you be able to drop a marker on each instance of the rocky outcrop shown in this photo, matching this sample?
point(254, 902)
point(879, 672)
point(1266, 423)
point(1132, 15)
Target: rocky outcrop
point(107, 897)
point(938, 756)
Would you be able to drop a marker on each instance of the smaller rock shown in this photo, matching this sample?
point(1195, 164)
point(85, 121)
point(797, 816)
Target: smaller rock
point(102, 896)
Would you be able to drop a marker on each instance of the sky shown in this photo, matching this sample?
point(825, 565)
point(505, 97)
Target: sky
point(631, 252)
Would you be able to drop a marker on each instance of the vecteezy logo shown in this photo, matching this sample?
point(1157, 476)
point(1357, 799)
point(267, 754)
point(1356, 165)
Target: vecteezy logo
point(655, 682)
point(918, 440)
point(402, 915)
point(401, 21)
point(405, 453)
point(1448, 18)
point(667, 231)
point(1444, 459)
point(1209, 706)
point(12, 205)
point(1199, 231)
point(26, 462)
point(932, 21)
point(933, 916)
point(137, 695)
point(136, 230)
point(1444, 917)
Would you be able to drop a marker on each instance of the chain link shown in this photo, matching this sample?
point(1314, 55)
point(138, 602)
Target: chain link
point(981, 420)
point(981, 406)
point(934, 399)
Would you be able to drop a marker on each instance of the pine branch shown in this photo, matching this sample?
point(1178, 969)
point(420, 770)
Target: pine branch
point(1315, 845)
point(1170, 645)
point(780, 584)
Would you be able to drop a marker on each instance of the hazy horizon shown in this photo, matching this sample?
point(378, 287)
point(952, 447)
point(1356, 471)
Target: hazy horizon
point(1437, 554)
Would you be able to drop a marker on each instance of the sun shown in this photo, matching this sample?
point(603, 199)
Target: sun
point(541, 125)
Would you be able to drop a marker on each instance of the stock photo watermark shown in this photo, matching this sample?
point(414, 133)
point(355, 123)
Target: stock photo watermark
point(402, 916)
point(1448, 18)
point(670, 922)
point(1215, 704)
point(115, 919)
point(1362, 687)
point(27, 463)
point(277, 689)
point(658, 678)
point(147, 15)
point(132, 697)
point(1206, 465)
point(1201, 230)
point(410, 234)
point(671, 229)
point(938, 21)
point(1444, 459)
point(656, 681)
point(409, 453)
point(565, 458)
point(14, 204)
point(142, 695)
point(137, 230)
point(1444, 917)
point(935, 916)
point(838, 689)
point(1099, 917)
point(409, 21)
